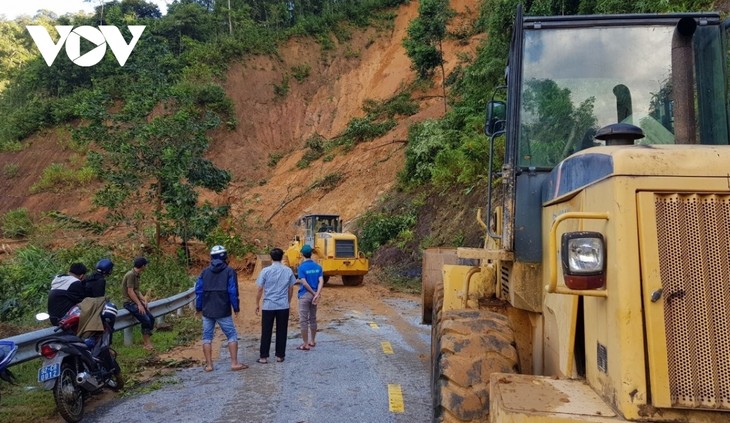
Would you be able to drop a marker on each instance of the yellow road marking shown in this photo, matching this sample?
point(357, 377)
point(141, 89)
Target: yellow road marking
point(395, 398)
point(387, 348)
point(373, 325)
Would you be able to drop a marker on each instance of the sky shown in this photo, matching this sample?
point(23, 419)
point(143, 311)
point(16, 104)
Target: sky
point(13, 8)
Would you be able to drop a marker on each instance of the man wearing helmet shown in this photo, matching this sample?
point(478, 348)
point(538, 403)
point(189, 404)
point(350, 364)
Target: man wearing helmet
point(216, 294)
point(95, 284)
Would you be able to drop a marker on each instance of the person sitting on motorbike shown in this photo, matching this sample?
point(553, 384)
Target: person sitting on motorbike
point(95, 284)
point(67, 290)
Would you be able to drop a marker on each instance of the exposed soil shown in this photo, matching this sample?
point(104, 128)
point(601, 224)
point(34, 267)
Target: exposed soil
point(372, 64)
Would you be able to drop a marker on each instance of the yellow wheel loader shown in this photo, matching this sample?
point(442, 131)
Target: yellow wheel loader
point(602, 293)
point(336, 251)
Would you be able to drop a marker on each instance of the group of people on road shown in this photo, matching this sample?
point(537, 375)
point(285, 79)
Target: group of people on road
point(217, 300)
point(72, 288)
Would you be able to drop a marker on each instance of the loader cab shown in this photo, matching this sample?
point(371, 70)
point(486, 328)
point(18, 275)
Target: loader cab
point(569, 76)
point(314, 224)
point(661, 82)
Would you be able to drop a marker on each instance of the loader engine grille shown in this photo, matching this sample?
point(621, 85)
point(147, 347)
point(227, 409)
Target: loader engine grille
point(344, 248)
point(694, 263)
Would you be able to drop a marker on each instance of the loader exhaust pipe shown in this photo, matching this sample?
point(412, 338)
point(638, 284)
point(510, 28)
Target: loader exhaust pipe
point(683, 82)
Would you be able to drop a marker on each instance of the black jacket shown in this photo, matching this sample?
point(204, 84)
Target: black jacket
point(95, 285)
point(66, 292)
point(217, 290)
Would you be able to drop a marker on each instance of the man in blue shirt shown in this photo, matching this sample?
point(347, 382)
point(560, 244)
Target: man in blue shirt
point(216, 293)
point(312, 280)
point(276, 285)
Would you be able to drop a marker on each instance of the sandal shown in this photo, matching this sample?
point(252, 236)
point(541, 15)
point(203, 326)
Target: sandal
point(208, 368)
point(312, 345)
point(262, 361)
point(238, 367)
point(279, 359)
point(303, 347)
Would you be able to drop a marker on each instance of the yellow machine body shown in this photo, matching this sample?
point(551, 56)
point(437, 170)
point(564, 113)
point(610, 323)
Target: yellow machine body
point(337, 252)
point(656, 230)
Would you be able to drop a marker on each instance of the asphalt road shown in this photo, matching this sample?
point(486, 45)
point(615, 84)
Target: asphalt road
point(368, 366)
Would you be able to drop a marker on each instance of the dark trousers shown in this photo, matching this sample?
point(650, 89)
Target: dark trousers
point(146, 319)
point(267, 325)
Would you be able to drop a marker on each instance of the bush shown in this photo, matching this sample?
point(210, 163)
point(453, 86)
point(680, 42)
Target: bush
point(57, 178)
point(301, 72)
point(378, 229)
point(365, 129)
point(274, 159)
point(17, 224)
point(11, 170)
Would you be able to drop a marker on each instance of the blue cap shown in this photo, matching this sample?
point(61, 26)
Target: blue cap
point(306, 249)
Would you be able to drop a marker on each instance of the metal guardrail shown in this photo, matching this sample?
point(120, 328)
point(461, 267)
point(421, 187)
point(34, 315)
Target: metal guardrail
point(26, 342)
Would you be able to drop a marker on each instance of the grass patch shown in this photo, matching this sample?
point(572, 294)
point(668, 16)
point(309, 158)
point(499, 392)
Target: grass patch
point(301, 72)
point(11, 170)
point(17, 224)
point(399, 280)
point(59, 178)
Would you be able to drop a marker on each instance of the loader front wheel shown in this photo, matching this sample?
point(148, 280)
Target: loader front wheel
point(471, 345)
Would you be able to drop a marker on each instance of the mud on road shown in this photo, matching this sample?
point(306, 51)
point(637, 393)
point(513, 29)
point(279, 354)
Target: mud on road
point(370, 348)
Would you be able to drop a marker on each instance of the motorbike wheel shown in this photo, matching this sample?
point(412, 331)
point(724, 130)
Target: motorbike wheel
point(69, 397)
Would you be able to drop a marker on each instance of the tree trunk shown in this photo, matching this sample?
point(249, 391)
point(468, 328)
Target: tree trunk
point(443, 75)
point(230, 23)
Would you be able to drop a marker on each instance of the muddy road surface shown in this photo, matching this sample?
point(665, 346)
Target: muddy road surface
point(370, 364)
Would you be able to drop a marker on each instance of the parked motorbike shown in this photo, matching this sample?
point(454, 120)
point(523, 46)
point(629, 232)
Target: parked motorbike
point(7, 352)
point(75, 368)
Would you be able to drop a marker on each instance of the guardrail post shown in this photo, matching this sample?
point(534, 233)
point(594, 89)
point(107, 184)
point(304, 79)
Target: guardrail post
point(160, 320)
point(128, 336)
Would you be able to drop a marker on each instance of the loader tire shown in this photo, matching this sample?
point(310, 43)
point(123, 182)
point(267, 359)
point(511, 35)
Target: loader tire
point(472, 344)
point(436, 310)
point(350, 280)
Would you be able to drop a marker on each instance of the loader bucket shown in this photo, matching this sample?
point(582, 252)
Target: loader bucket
point(433, 261)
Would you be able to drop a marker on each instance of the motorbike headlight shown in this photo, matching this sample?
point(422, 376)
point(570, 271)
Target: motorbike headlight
point(583, 255)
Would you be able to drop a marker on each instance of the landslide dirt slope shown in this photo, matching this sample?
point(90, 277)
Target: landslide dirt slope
point(371, 65)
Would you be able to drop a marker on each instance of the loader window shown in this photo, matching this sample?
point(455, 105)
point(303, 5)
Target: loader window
point(577, 80)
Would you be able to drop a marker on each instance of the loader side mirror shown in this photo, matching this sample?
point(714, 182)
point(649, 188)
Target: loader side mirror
point(496, 117)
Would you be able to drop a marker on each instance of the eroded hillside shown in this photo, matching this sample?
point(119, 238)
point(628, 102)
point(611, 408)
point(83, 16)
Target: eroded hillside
point(372, 64)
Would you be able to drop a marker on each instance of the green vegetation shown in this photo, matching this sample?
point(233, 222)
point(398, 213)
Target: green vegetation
point(17, 224)
point(11, 170)
point(425, 35)
point(378, 229)
point(274, 159)
point(301, 72)
point(25, 278)
point(57, 178)
point(315, 147)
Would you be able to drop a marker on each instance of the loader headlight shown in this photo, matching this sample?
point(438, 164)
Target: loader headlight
point(583, 256)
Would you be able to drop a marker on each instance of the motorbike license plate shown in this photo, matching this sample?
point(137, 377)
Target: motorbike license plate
point(49, 372)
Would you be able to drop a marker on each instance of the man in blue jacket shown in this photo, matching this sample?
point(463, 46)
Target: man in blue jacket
point(216, 295)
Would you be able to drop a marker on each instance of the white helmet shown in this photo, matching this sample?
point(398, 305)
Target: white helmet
point(218, 252)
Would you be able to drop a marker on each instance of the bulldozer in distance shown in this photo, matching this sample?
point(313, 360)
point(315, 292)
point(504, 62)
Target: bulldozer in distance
point(336, 251)
point(602, 291)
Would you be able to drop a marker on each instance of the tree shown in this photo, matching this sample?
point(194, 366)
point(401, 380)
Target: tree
point(426, 33)
point(158, 162)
